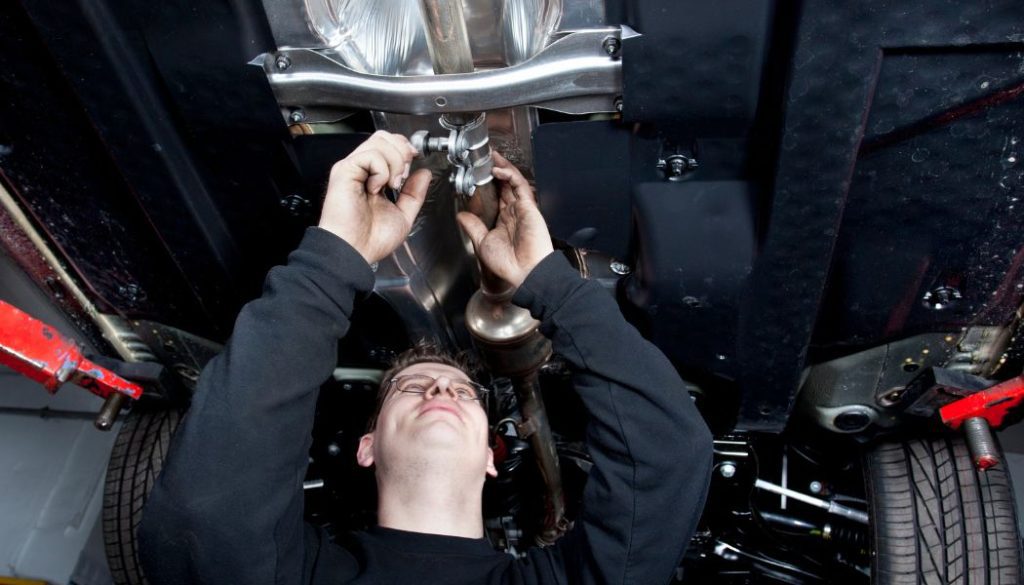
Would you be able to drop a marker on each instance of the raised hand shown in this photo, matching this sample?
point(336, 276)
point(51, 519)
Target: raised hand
point(356, 209)
point(520, 238)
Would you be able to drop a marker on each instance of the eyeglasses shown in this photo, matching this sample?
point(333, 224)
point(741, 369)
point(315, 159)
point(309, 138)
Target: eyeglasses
point(421, 384)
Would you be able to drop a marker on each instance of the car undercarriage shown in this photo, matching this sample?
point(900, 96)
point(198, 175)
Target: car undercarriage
point(811, 208)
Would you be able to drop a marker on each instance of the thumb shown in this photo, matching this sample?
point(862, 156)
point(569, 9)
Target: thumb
point(473, 226)
point(414, 192)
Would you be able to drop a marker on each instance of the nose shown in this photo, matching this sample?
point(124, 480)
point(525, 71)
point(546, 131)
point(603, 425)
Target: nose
point(442, 385)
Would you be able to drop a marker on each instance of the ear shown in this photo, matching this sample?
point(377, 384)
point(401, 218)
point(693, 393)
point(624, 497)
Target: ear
point(491, 470)
point(364, 454)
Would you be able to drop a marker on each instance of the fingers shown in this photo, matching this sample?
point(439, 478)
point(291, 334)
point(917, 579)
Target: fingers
point(368, 167)
point(505, 171)
point(414, 192)
point(473, 226)
point(397, 152)
point(404, 147)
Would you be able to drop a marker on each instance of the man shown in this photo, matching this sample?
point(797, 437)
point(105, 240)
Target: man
point(227, 507)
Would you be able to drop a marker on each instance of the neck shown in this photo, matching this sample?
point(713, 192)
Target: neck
point(430, 497)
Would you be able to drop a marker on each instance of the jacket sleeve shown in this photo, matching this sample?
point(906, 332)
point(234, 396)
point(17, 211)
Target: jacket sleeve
point(651, 449)
point(228, 505)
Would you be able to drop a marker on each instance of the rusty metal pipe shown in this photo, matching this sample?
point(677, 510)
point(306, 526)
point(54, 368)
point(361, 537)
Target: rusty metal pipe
point(536, 428)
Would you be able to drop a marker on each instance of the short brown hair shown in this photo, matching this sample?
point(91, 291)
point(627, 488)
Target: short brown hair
point(421, 353)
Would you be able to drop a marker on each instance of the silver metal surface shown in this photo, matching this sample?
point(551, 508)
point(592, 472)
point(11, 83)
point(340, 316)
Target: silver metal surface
point(727, 470)
point(581, 14)
point(109, 411)
point(447, 37)
point(572, 75)
point(370, 36)
point(312, 484)
point(619, 268)
point(469, 152)
point(357, 375)
point(830, 507)
point(498, 323)
point(526, 27)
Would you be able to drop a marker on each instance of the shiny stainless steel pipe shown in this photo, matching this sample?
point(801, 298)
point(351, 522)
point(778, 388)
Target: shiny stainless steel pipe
point(448, 43)
point(447, 38)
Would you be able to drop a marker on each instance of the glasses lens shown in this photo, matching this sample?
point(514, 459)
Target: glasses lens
point(464, 391)
point(416, 384)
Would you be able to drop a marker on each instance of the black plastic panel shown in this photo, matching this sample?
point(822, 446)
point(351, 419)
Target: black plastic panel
point(697, 246)
point(583, 183)
point(696, 65)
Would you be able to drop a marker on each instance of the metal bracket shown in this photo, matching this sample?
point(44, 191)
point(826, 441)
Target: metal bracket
point(574, 75)
point(468, 149)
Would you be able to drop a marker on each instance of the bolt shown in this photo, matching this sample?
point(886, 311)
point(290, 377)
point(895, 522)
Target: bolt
point(611, 46)
point(619, 268)
point(333, 450)
point(185, 371)
point(297, 116)
point(295, 204)
point(894, 396)
point(678, 167)
point(815, 487)
point(282, 62)
point(941, 297)
point(618, 104)
point(727, 469)
point(130, 292)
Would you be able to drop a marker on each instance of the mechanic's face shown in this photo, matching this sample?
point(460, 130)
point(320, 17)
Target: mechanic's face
point(433, 423)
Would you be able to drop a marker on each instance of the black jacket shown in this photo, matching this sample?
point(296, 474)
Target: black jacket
point(227, 507)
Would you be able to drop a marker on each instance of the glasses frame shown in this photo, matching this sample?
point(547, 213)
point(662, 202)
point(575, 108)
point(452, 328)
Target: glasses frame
point(482, 392)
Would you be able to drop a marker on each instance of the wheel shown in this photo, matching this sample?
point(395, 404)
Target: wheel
point(936, 519)
point(135, 463)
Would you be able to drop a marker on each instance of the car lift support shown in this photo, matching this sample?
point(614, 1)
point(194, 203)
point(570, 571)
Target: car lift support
point(37, 351)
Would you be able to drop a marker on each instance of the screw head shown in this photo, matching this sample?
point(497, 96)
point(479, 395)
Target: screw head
point(815, 487)
point(297, 116)
point(727, 469)
point(333, 450)
point(282, 62)
point(611, 46)
point(618, 104)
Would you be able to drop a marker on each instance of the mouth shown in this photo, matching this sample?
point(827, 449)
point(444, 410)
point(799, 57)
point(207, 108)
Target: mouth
point(442, 408)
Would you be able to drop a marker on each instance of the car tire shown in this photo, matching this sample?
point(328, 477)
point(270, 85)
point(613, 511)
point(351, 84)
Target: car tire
point(936, 519)
point(135, 463)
